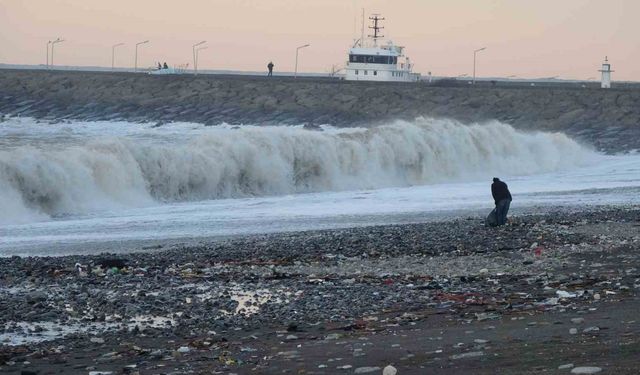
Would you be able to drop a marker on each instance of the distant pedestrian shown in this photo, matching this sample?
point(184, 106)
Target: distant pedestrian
point(159, 66)
point(502, 199)
point(165, 66)
point(270, 67)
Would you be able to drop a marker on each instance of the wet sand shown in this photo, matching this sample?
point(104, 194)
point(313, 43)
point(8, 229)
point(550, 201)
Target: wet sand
point(551, 289)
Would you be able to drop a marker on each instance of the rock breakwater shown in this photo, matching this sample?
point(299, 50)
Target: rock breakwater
point(609, 120)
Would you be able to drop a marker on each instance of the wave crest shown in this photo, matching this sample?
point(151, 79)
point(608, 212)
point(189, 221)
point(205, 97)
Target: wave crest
point(108, 173)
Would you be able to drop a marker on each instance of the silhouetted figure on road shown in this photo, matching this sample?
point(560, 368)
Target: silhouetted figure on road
point(502, 198)
point(159, 66)
point(165, 66)
point(270, 67)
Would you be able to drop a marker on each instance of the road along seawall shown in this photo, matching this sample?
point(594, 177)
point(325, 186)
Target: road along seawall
point(606, 119)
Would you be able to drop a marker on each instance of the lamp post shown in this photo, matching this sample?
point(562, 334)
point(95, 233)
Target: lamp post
point(113, 53)
point(135, 69)
point(195, 58)
point(48, 43)
point(474, 62)
point(295, 74)
point(53, 44)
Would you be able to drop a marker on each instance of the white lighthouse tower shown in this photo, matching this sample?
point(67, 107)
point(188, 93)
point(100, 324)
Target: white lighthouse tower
point(606, 71)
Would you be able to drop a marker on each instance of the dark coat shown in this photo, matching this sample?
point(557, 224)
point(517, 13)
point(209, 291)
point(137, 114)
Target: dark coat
point(500, 191)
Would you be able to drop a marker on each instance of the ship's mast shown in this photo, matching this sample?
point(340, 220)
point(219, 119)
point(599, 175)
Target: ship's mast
point(376, 29)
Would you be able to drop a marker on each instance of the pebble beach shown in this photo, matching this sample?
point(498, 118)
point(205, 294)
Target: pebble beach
point(552, 292)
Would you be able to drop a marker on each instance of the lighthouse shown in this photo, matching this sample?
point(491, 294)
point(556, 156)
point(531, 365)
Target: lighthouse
point(606, 71)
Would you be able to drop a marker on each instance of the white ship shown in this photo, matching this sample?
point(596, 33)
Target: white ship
point(370, 60)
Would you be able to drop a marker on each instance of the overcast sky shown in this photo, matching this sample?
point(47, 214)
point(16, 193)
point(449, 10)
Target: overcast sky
point(525, 38)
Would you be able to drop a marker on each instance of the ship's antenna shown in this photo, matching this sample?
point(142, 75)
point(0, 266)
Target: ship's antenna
point(376, 29)
point(355, 20)
point(362, 29)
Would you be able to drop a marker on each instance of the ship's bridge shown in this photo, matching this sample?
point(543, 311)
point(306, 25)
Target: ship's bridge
point(379, 55)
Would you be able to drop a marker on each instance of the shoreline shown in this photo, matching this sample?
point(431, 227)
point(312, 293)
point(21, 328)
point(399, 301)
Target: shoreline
point(376, 221)
point(448, 296)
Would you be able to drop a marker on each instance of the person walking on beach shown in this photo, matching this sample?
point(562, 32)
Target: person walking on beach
point(502, 198)
point(270, 67)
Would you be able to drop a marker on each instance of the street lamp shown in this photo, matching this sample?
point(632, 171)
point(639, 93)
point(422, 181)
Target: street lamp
point(135, 69)
point(48, 43)
point(195, 62)
point(196, 59)
point(53, 45)
point(113, 52)
point(295, 74)
point(474, 62)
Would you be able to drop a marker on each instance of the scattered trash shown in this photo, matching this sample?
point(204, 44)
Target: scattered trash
point(467, 355)
point(565, 294)
point(486, 316)
point(366, 370)
point(586, 370)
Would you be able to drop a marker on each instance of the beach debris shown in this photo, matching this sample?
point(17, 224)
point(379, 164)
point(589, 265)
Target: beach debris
point(467, 355)
point(486, 316)
point(366, 370)
point(389, 370)
point(565, 294)
point(586, 370)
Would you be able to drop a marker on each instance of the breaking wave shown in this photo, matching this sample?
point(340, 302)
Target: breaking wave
point(38, 181)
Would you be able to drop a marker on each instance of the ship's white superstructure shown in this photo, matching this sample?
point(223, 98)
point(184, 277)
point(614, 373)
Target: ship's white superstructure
point(369, 60)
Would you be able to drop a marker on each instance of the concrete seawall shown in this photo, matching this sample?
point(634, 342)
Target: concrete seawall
point(607, 119)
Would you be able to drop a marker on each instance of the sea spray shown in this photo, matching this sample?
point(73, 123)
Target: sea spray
point(41, 178)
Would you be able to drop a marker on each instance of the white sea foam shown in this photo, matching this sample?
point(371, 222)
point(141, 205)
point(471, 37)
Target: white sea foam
point(78, 168)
